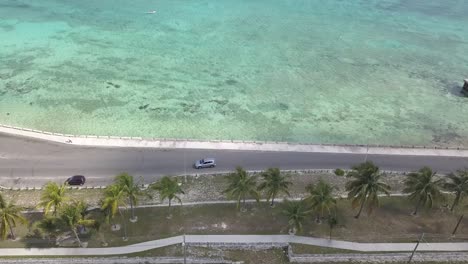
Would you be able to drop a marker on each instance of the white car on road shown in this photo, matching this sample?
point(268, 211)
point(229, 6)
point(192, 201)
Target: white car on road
point(205, 163)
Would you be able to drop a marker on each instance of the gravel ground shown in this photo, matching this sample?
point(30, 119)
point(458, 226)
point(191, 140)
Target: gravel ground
point(30, 198)
point(210, 187)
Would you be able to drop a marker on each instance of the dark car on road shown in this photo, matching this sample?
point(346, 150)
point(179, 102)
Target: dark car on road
point(205, 163)
point(76, 180)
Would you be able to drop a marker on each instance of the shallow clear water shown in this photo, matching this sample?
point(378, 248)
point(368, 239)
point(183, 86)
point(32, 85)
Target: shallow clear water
point(329, 71)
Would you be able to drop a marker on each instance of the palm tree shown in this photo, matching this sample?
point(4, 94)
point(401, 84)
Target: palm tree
point(274, 183)
point(241, 185)
point(10, 214)
point(297, 212)
point(131, 190)
point(72, 216)
point(365, 186)
point(321, 198)
point(458, 185)
point(168, 188)
point(53, 195)
point(114, 198)
point(423, 187)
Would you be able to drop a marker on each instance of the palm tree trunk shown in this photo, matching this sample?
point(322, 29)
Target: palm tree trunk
point(298, 227)
point(360, 209)
point(76, 235)
point(455, 202)
point(132, 209)
point(321, 215)
point(417, 207)
point(169, 209)
point(124, 224)
point(273, 196)
point(12, 234)
point(241, 208)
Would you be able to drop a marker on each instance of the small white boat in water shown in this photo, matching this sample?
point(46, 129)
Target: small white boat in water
point(151, 12)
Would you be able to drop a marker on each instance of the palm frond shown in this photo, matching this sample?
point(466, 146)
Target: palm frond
point(240, 185)
point(168, 188)
point(10, 214)
point(423, 187)
point(274, 182)
point(365, 185)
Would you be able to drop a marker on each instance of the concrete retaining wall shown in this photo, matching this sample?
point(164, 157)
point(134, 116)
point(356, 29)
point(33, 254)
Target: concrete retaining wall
point(380, 258)
point(121, 260)
point(241, 246)
point(450, 257)
point(113, 141)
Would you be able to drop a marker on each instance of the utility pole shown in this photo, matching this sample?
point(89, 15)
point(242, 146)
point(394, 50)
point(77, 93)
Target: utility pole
point(183, 245)
point(458, 223)
point(416, 247)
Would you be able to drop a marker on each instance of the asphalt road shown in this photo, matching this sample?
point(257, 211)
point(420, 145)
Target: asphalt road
point(27, 162)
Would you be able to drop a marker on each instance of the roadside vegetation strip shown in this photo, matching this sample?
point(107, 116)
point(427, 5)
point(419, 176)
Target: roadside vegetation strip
point(208, 188)
point(110, 141)
point(204, 188)
point(324, 172)
point(68, 221)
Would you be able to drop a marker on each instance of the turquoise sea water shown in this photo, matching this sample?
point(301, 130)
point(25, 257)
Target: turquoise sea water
point(328, 71)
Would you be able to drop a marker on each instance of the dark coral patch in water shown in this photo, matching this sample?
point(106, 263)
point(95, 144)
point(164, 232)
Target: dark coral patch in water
point(143, 107)
point(231, 82)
